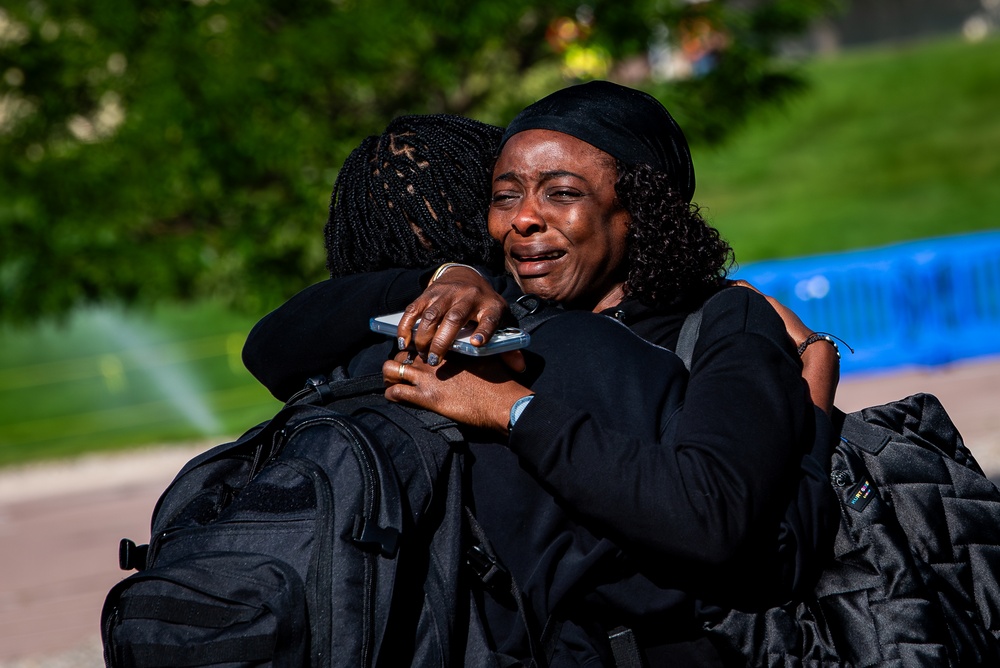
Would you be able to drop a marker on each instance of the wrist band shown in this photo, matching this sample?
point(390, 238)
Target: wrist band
point(818, 336)
point(517, 409)
point(448, 265)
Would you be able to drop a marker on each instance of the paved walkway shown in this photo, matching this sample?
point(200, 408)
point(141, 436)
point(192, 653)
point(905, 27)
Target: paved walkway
point(59, 532)
point(60, 524)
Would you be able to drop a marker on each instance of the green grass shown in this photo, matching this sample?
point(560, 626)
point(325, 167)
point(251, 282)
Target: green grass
point(108, 380)
point(887, 144)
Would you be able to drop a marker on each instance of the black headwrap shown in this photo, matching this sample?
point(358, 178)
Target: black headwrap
point(625, 123)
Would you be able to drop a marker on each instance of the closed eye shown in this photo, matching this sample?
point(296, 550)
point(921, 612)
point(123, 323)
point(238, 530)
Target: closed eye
point(564, 194)
point(502, 197)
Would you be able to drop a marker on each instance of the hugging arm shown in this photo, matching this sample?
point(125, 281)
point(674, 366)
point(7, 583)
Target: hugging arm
point(326, 324)
point(820, 363)
point(323, 326)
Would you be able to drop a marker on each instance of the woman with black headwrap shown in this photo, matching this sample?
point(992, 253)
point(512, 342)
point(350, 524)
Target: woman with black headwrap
point(684, 508)
point(591, 202)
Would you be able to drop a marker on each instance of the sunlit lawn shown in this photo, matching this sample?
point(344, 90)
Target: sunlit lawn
point(888, 144)
point(107, 380)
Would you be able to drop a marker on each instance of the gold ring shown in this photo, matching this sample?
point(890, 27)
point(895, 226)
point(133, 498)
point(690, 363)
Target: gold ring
point(402, 371)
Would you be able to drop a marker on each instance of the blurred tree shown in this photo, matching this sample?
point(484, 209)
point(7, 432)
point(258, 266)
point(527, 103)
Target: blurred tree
point(156, 149)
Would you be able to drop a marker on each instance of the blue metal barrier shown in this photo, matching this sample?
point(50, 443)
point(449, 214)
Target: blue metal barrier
point(924, 302)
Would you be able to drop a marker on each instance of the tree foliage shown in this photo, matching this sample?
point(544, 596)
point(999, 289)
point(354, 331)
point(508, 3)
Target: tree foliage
point(179, 149)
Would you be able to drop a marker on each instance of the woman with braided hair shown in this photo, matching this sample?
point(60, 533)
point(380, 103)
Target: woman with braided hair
point(409, 198)
point(637, 549)
point(423, 180)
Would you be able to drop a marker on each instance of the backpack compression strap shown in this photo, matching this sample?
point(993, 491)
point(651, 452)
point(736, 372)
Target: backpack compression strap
point(486, 564)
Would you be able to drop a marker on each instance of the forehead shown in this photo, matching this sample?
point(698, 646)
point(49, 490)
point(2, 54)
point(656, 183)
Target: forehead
point(532, 151)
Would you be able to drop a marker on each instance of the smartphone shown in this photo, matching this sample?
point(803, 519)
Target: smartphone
point(508, 338)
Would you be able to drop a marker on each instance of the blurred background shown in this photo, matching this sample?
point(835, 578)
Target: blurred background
point(166, 168)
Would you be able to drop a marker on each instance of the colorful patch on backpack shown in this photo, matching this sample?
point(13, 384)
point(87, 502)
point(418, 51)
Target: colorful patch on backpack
point(861, 495)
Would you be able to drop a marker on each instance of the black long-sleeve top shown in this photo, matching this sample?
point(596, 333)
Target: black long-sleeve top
point(325, 326)
point(745, 413)
point(689, 493)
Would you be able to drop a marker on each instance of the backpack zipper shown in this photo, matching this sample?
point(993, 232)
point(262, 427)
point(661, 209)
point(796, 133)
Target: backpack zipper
point(372, 498)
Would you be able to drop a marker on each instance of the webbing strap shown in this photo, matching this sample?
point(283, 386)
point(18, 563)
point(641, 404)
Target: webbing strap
point(438, 424)
point(625, 648)
point(323, 390)
point(424, 427)
point(249, 650)
point(530, 311)
point(855, 431)
point(494, 574)
point(178, 611)
point(364, 390)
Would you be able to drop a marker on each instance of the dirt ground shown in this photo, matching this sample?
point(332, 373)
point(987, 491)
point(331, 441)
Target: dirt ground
point(60, 523)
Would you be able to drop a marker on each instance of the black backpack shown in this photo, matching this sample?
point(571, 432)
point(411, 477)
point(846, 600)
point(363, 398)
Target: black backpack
point(913, 577)
point(332, 535)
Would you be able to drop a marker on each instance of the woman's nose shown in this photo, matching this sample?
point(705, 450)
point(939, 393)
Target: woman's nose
point(528, 218)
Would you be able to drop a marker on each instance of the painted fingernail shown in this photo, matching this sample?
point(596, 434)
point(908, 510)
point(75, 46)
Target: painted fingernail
point(433, 359)
point(401, 343)
point(478, 338)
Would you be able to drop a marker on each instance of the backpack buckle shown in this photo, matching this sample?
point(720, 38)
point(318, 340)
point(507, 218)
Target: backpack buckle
point(132, 557)
point(487, 568)
point(368, 534)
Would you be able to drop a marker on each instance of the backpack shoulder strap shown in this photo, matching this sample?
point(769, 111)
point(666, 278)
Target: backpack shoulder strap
point(855, 430)
point(323, 389)
point(688, 337)
point(530, 311)
point(690, 330)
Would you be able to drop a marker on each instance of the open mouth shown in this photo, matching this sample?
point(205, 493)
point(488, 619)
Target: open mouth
point(535, 262)
point(537, 257)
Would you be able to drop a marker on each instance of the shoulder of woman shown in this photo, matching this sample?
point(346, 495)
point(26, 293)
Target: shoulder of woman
point(588, 330)
point(735, 310)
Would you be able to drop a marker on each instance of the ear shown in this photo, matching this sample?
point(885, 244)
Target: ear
point(622, 217)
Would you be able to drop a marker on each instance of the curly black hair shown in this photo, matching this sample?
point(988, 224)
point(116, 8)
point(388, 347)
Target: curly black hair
point(414, 196)
point(672, 253)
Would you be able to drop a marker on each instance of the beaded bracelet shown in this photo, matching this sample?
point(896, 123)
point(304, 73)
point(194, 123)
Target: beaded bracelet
point(818, 336)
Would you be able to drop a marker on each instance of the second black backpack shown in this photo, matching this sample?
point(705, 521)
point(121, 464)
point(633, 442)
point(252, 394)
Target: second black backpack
point(913, 576)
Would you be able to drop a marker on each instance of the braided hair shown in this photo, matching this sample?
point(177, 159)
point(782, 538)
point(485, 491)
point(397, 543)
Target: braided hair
point(414, 196)
point(672, 252)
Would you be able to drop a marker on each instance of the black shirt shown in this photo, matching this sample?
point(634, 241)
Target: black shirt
point(611, 505)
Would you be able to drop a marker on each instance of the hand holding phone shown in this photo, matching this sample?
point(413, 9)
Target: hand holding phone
point(507, 338)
